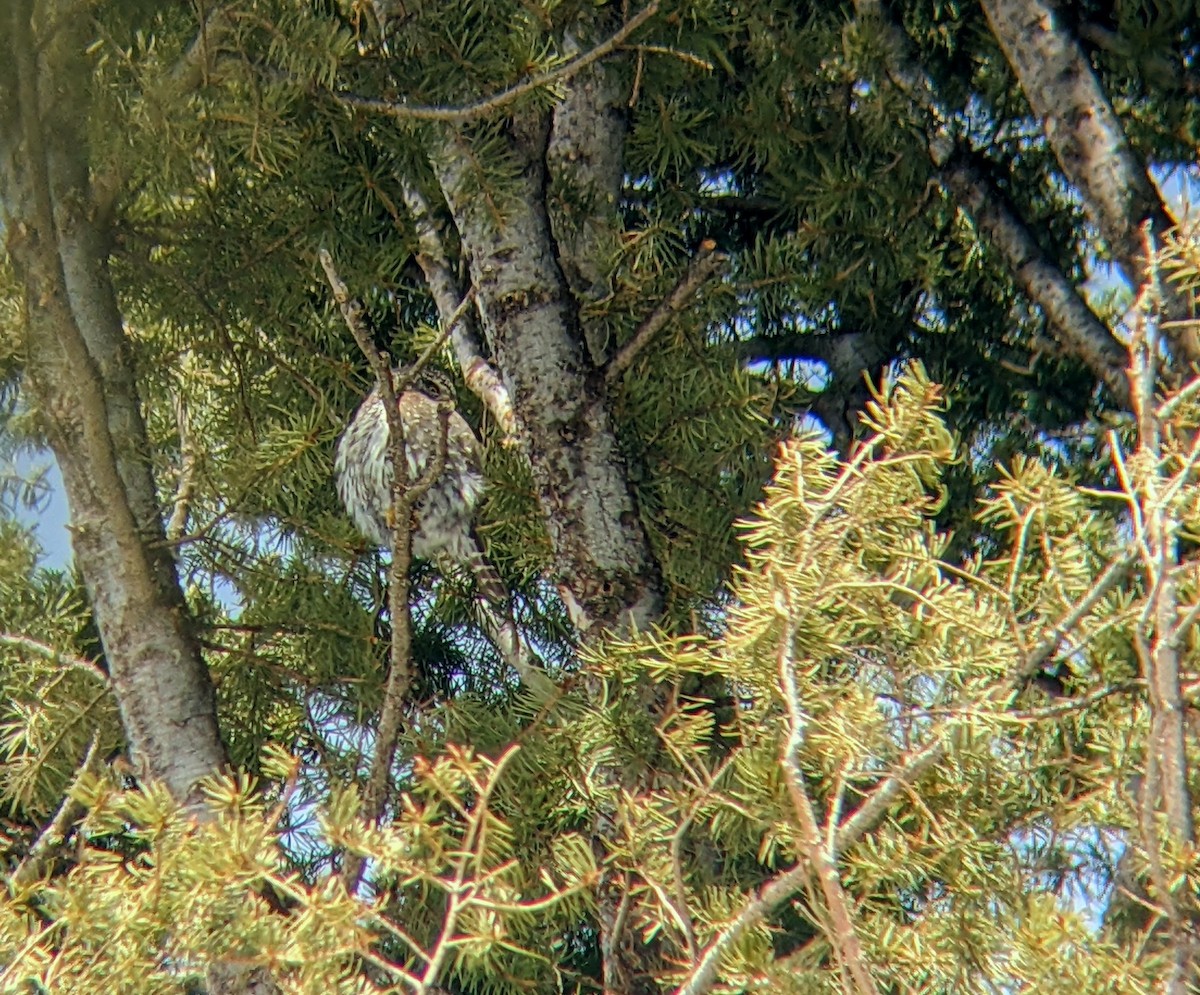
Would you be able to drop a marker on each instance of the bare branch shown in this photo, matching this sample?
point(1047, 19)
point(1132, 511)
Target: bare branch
point(842, 936)
point(481, 108)
point(480, 376)
point(704, 264)
point(406, 492)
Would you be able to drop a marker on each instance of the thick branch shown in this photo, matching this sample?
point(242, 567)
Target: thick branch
point(602, 556)
point(1086, 137)
point(1167, 781)
point(1078, 331)
point(585, 167)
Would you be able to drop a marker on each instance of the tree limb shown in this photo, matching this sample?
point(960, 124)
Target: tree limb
point(1078, 331)
point(480, 376)
point(704, 264)
point(1088, 140)
point(486, 105)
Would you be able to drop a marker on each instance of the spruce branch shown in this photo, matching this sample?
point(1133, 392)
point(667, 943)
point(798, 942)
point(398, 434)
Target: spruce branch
point(486, 105)
point(36, 863)
point(822, 859)
point(768, 898)
point(702, 267)
point(921, 759)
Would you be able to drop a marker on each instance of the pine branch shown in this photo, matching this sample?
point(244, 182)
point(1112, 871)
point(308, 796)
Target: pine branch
point(844, 937)
point(483, 107)
point(704, 264)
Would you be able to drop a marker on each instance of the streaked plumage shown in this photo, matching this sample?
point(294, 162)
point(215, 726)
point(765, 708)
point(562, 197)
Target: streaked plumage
point(445, 513)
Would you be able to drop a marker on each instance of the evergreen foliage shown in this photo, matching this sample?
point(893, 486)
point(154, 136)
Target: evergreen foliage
point(924, 584)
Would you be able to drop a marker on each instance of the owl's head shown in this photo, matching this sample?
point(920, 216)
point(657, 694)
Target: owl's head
point(434, 381)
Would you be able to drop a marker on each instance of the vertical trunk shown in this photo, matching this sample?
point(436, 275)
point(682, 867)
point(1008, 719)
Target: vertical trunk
point(82, 380)
point(602, 558)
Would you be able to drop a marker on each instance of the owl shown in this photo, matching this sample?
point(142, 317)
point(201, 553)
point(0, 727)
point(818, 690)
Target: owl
point(444, 516)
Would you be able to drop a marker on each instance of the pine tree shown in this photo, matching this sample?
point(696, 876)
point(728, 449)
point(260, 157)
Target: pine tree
point(811, 469)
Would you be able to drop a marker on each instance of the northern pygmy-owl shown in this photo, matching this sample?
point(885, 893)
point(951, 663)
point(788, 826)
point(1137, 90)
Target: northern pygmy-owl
point(444, 515)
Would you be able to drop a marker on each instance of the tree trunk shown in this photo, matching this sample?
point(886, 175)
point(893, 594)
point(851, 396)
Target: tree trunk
point(82, 381)
point(531, 320)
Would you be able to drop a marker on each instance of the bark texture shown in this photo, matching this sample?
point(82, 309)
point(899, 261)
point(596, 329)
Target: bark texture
point(82, 380)
point(1075, 328)
point(531, 321)
point(1087, 139)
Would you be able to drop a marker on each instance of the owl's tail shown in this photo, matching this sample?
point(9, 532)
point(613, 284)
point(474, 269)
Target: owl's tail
point(497, 619)
point(488, 584)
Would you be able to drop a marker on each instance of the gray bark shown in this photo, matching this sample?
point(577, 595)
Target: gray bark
point(1086, 137)
point(82, 381)
point(1072, 323)
point(585, 157)
point(602, 559)
point(1076, 329)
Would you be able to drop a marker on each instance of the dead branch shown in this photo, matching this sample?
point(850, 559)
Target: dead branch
point(704, 264)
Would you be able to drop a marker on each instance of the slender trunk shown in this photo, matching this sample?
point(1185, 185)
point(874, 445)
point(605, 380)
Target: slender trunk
point(82, 382)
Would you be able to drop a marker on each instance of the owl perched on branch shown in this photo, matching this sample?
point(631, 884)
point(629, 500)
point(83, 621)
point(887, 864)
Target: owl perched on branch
point(444, 515)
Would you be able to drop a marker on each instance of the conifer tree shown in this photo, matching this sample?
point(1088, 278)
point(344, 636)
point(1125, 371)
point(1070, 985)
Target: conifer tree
point(849, 532)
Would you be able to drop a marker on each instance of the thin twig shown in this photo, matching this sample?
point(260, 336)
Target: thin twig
point(486, 105)
point(19, 642)
point(53, 837)
point(704, 264)
point(181, 505)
